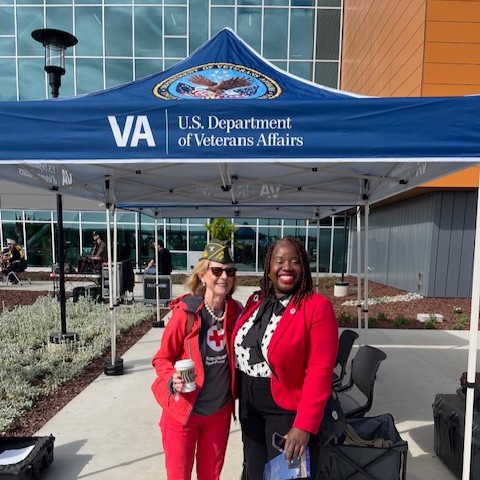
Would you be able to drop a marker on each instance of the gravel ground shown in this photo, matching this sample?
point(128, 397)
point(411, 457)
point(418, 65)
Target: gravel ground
point(382, 315)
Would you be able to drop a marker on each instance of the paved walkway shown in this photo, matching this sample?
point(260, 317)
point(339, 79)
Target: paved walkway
point(109, 431)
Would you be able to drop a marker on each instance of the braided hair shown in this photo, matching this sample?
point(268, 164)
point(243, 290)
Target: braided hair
point(306, 285)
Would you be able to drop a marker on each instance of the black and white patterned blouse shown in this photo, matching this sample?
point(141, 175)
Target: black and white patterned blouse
point(242, 354)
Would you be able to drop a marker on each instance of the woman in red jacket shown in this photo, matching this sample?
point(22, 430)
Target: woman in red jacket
point(285, 346)
point(195, 425)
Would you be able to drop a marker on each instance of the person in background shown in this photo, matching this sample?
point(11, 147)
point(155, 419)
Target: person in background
point(99, 251)
point(285, 345)
point(164, 261)
point(11, 260)
point(196, 425)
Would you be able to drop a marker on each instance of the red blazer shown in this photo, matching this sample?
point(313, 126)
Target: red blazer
point(175, 345)
point(302, 355)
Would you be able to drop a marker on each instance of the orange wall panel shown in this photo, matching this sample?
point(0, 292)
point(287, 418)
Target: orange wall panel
point(381, 38)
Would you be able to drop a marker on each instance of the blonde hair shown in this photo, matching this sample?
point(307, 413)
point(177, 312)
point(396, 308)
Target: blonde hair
point(195, 285)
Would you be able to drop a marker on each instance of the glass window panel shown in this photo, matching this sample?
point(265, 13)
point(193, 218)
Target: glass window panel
point(67, 88)
point(126, 217)
point(29, 69)
point(88, 29)
point(143, 68)
point(274, 45)
point(198, 25)
point(175, 21)
point(88, 2)
point(8, 86)
point(303, 3)
point(221, 18)
point(118, 72)
point(7, 46)
point(57, 2)
point(296, 232)
point(289, 221)
point(179, 261)
point(176, 47)
point(37, 216)
point(68, 216)
point(329, 3)
point(339, 257)
point(13, 230)
point(28, 20)
point(126, 242)
point(222, 2)
point(282, 65)
point(118, 31)
point(12, 215)
point(328, 35)
point(324, 262)
point(301, 29)
point(7, 26)
point(175, 2)
point(71, 233)
point(198, 238)
point(301, 69)
point(30, 2)
point(326, 73)
point(276, 2)
point(94, 217)
point(39, 244)
point(148, 32)
point(89, 75)
point(249, 26)
point(60, 18)
point(170, 62)
point(249, 2)
point(176, 237)
point(245, 221)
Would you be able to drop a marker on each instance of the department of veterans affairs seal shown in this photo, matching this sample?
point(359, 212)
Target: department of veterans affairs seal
point(218, 81)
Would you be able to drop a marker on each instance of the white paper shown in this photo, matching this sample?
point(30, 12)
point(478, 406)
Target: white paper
point(15, 455)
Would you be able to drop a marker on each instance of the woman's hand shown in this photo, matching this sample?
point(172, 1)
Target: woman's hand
point(295, 443)
point(177, 382)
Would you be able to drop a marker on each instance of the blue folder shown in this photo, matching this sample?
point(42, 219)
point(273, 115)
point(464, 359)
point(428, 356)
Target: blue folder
point(280, 469)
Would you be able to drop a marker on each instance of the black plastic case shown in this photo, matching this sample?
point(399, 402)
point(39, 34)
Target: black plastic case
point(34, 464)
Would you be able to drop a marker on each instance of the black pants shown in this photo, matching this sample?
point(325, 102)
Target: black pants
point(260, 417)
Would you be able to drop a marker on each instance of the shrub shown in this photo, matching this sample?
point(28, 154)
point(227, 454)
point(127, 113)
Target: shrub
point(431, 323)
point(400, 321)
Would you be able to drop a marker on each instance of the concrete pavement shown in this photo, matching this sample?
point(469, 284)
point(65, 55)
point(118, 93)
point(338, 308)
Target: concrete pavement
point(109, 431)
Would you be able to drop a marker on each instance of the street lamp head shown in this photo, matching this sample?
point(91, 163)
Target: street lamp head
point(55, 43)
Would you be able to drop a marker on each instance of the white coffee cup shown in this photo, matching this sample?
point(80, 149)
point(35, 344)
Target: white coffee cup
point(186, 369)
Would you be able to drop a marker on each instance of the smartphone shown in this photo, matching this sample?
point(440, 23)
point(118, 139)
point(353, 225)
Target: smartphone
point(278, 441)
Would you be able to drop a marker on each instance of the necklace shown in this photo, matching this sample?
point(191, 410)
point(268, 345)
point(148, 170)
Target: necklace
point(212, 313)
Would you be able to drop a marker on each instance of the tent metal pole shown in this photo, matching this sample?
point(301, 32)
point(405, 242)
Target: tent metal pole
point(115, 367)
point(365, 285)
point(61, 265)
point(156, 271)
point(359, 269)
point(472, 348)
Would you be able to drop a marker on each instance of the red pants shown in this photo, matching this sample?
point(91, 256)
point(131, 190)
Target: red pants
point(208, 435)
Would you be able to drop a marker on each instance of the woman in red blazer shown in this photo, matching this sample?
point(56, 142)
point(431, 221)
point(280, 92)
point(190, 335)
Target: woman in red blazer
point(285, 345)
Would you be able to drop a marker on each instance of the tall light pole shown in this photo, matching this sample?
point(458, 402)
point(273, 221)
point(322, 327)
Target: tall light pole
point(55, 43)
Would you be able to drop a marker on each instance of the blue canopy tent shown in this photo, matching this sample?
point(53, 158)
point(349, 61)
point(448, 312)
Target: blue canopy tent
point(265, 144)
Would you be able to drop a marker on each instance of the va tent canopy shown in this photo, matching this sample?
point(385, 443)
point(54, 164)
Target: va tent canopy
point(224, 132)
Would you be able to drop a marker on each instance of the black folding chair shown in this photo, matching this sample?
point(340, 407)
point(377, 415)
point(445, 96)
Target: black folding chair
point(362, 378)
point(345, 344)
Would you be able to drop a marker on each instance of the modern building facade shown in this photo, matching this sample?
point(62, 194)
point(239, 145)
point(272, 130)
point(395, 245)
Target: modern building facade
point(123, 40)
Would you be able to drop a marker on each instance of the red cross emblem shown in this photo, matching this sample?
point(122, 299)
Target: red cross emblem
point(216, 339)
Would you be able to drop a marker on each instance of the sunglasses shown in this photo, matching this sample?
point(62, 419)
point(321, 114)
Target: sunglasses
point(217, 271)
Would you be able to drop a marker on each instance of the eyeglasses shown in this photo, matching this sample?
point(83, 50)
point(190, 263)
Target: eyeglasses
point(217, 271)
